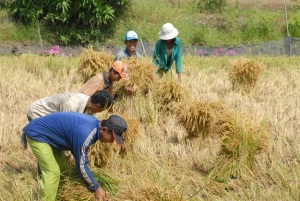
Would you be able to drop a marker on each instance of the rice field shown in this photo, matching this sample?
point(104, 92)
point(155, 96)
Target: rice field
point(197, 140)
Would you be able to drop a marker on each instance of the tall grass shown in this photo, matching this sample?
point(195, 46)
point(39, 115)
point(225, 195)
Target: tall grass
point(163, 164)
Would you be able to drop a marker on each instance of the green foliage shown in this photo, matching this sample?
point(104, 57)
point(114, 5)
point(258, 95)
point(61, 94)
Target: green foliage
point(94, 23)
point(259, 28)
point(211, 6)
point(76, 21)
point(294, 25)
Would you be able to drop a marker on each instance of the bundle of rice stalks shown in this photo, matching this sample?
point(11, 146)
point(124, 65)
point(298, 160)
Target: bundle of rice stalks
point(140, 107)
point(224, 121)
point(240, 144)
point(168, 92)
point(195, 117)
point(141, 76)
point(92, 63)
point(244, 73)
point(198, 118)
point(74, 188)
point(130, 135)
point(101, 153)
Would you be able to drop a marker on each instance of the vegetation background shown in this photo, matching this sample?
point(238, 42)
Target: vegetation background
point(164, 164)
point(208, 22)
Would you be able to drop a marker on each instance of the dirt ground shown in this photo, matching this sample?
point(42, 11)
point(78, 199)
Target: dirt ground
point(272, 48)
point(17, 49)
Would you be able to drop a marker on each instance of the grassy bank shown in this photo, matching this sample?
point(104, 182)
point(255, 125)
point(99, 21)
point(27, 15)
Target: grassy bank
point(239, 22)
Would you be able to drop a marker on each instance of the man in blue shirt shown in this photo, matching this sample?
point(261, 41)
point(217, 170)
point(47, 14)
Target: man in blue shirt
point(50, 135)
point(130, 41)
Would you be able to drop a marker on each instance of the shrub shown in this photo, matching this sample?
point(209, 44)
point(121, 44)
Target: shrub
point(212, 6)
point(76, 21)
point(294, 25)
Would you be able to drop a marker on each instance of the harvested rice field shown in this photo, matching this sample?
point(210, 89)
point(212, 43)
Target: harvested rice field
point(228, 131)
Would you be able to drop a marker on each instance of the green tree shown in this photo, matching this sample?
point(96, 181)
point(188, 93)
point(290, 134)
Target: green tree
point(83, 22)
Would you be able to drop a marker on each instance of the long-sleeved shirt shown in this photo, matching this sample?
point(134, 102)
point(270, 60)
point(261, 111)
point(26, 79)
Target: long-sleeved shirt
point(63, 102)
point(160, 56)
point(68, 131)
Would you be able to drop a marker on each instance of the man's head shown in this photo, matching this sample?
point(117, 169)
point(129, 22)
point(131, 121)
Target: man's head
point(100, 101)
point(118, 71)
point(112, 129)
point(131, 40)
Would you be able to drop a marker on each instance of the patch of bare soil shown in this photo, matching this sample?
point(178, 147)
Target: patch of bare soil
point(17, 49)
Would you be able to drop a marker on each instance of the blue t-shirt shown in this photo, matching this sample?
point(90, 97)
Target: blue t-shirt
point(68, 131)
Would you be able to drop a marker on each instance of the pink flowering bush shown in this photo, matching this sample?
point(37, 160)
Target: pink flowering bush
point(54, 51)
point(218, 51)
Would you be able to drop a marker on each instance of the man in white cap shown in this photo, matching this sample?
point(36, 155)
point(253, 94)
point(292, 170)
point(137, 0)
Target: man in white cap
point(130, 40)
point(167, 50)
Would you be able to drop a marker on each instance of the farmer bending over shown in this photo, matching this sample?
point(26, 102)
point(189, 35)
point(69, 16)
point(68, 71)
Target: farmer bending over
point(50, 135)
point(105, 80)
point(70, 102)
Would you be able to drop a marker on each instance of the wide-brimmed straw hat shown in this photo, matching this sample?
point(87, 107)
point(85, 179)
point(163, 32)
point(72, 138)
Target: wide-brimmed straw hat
point(168, 32)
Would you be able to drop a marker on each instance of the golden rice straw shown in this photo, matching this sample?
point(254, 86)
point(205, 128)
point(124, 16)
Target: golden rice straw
point(167, 92)
point(101, 153)
point(74, 188)
point(131, 134)
point(141, 76)
point(92, 62)
point(198, 117)
point(244, 73)
point(242, 141)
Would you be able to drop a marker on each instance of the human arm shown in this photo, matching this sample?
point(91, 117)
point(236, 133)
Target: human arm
point(158, 57)
point(178, 61)
point(81, 143)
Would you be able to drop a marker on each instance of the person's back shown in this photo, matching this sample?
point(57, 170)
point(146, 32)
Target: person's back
point(96, 83)
point(67, 102)
point(63, 130)
point(117, 71)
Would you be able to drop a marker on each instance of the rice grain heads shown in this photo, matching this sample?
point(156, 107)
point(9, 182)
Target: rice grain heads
point(167, 92)
point(141, 76)
point(244, 73)
point(101, 154)
point(241, 142)
point(92, 62)
point(200, 118)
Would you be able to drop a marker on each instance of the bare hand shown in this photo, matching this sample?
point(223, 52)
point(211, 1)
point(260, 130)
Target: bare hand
point(100, 195)
point(129, 90)
point(179, 77)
